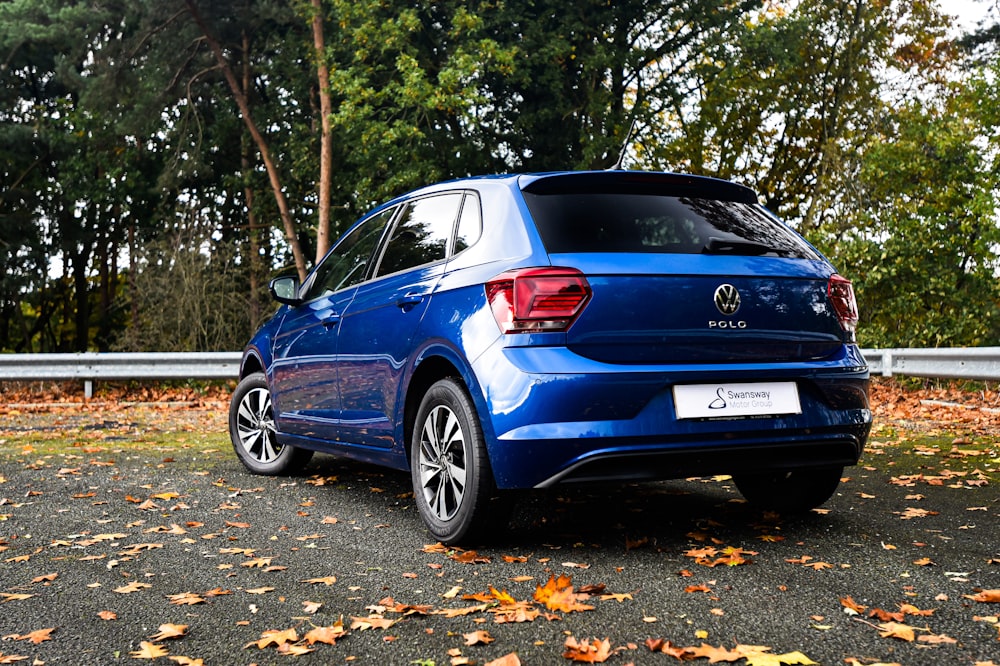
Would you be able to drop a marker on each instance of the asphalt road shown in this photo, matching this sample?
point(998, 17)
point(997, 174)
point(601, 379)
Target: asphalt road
point(106, 542)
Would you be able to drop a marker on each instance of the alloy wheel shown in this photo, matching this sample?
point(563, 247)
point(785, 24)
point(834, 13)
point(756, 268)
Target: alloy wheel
point(442, 463)
point(255, 426)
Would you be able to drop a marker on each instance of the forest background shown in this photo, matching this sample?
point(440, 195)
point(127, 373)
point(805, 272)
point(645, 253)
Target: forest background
point(160, 160)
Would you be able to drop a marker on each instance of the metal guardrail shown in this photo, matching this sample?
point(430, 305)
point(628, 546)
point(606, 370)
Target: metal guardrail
point(93, 366)
point(982, 363)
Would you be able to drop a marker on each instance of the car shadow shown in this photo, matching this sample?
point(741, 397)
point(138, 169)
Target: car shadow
point(658, 515)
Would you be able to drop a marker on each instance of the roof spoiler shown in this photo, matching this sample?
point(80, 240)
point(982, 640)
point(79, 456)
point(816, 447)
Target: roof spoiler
point(638, 182)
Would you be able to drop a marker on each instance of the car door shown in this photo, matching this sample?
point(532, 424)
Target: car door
point(304, 374)
point(377, 329)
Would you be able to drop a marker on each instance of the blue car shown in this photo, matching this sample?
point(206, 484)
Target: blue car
point(527, 331)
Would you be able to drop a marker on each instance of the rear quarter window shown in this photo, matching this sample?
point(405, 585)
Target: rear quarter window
point(653, 223)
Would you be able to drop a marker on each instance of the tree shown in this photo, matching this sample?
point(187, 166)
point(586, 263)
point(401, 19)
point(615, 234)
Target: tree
point(790, 98)
point(270, 164)
point(923, 234)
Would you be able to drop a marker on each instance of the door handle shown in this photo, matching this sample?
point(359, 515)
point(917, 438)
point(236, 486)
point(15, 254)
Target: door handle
point(331, 320)
point(407, 301)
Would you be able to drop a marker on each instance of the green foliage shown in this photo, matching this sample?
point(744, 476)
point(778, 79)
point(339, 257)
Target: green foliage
point(924, 236)
point(120, 141)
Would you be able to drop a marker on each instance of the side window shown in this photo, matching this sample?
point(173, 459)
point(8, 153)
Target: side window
point(470, 224)
point(422, 233)
point(346, 265)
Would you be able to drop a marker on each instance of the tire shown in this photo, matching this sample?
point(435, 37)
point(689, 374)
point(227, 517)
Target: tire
point(452, 479)
point(795, 491)
point(252, 431)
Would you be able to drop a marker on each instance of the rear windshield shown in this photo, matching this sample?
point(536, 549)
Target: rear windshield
point(631, 222)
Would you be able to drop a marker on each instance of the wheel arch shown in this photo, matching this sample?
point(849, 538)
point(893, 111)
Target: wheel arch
point(251, 363)
point(432, 366)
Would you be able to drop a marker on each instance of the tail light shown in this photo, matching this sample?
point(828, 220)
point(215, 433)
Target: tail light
point(537, 299)
point(841, 294)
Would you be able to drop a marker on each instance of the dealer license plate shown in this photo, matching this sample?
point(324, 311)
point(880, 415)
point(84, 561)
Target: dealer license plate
point(707, 401)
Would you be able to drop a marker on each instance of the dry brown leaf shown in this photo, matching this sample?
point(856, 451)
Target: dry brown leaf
point(274, 637)
point(714, 654)
point(187, 661)
point(329, 635)
point(134, 586)
point(169, 631)
point(185, 599)
point(985, 596)
point(897, 630)
point(37, 636)
point(149, 650)
point(586, 651)
point(480, 637)
point(328, 580)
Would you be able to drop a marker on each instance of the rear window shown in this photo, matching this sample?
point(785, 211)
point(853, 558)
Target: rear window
point(637, 222)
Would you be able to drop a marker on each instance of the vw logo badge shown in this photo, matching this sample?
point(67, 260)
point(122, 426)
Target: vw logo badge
point(727, 299)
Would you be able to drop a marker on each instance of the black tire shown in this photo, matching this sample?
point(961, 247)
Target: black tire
point(795, 491)
point(453, 483)
point(252, 432)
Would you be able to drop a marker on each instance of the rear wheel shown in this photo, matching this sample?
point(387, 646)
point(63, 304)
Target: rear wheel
point(793, 491)
point(450, 469)
point(251, 429)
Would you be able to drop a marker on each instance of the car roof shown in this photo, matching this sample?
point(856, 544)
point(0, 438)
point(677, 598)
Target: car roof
point(638, 182)
point(661, 183)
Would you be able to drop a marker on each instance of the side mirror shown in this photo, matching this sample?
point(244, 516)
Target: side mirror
point(285, 289)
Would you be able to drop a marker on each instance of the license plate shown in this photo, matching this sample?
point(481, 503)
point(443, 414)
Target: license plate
point(707, 401)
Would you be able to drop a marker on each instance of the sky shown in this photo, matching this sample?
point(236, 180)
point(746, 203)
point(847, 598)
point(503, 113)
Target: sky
point(970, 12)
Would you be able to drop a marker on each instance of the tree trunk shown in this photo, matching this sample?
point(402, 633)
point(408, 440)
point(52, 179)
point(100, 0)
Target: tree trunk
point(265, 153)
point(326, 140)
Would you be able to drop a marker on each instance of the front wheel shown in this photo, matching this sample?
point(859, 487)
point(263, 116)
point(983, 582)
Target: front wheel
point(252, 432)
point(452, 479)
point(791, 492)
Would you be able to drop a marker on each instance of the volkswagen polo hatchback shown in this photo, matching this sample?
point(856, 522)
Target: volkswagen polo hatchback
point(508, 332)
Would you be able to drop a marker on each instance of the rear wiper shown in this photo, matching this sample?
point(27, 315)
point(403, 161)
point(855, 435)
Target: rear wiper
point(738, 247)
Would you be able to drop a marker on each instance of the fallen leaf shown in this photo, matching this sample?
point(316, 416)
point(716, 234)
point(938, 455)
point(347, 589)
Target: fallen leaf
point(558, 594)
point(666, 647)
point(37, 636)
point(852, 607)
point(896, 630)
point(169, 631)
point(588, 652)
point(939, 639)
point(274, 637)
point(478, 638)
point(715, 654)
point(185, 599)
point(985, 596)
point(134, 586)
point(328, 635)
point(149, 650)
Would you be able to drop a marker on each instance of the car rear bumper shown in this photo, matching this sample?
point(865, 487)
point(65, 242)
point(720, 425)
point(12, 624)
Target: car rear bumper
point(606, 422)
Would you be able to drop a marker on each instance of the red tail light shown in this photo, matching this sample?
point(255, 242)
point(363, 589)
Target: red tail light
point(537, 299)
point(841, 294)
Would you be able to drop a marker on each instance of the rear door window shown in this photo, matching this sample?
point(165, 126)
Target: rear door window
point(422, 233)
point(641, 222)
